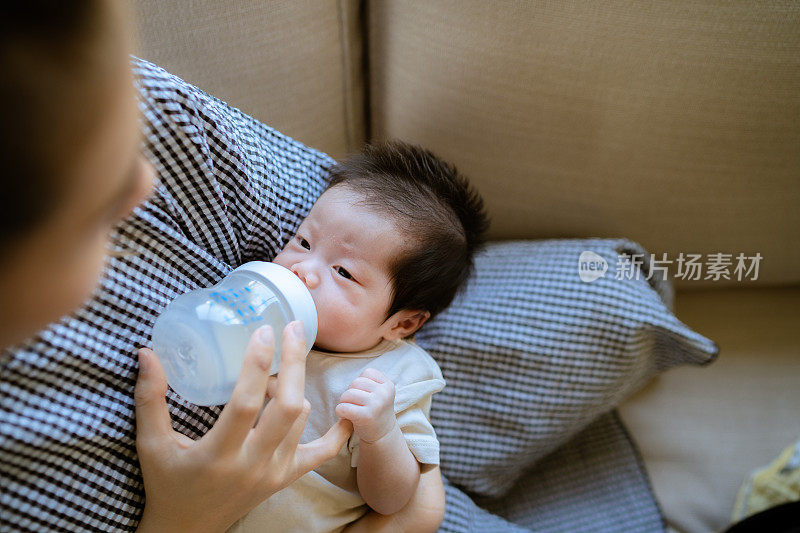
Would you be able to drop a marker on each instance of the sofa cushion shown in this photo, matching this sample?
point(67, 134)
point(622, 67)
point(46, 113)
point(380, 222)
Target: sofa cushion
point(702, 431)
point(532, 353)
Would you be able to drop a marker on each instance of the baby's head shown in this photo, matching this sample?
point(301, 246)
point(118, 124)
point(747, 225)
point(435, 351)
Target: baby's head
point(387, 245)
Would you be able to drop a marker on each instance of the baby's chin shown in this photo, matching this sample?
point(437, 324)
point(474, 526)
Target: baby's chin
point(322, 344)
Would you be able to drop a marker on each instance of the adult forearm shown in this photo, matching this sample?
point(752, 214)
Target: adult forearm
point(387, 472)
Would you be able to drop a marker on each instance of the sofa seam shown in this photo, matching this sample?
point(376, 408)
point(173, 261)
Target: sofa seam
point(346, 81)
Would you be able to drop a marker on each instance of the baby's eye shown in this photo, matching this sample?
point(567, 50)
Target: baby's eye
point(346, 273)
point(304, 243)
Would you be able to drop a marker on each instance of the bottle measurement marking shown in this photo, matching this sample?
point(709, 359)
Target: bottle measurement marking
point(239, 301)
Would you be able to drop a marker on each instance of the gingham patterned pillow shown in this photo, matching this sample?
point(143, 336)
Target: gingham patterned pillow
point(594, 483)
point(532, 354)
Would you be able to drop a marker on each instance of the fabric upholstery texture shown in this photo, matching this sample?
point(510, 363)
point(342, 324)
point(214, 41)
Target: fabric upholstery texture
point(532, 354)
point(293, 65)
point(671, 123)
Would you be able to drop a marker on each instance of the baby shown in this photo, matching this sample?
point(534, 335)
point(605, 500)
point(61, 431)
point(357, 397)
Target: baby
point(385, 248)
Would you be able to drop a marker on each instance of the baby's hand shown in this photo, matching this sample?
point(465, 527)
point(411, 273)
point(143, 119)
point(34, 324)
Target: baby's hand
point(369, 404)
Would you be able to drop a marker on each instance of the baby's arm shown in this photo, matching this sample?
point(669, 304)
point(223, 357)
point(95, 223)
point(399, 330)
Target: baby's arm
point(387, 471)
point(423, 514)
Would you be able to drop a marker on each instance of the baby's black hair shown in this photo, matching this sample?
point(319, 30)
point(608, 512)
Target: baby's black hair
point(433, 207)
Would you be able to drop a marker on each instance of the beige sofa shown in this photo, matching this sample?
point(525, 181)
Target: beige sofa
point(674, 124)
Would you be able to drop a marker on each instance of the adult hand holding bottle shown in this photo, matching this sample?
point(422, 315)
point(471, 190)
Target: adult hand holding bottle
point(208, 484)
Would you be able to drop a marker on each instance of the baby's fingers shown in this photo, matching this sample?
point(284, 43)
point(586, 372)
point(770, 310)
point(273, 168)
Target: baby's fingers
point(355, 396)
point(375, 375)
point(364, 384)
point(350, 411)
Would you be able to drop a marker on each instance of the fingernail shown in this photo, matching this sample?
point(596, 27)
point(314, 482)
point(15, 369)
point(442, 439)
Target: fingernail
point(265, 335)
point(143, 363)
point(297, 329)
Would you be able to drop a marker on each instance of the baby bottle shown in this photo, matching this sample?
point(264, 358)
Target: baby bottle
point(201, 336)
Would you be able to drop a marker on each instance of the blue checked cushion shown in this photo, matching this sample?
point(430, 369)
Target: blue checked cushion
point(593, 484)
point(532, 354)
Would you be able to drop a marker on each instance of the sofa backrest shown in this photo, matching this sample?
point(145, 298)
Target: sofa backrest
point(296, 66)
point(674, 124)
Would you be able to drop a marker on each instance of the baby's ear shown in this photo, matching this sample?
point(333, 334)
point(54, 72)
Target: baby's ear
point(424, 316)
point(407, 322)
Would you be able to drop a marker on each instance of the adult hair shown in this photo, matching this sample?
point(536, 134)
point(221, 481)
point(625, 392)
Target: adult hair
point(440, 217)
point(58, 61)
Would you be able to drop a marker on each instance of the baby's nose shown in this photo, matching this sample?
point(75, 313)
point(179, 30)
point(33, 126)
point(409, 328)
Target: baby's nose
point(307, 277)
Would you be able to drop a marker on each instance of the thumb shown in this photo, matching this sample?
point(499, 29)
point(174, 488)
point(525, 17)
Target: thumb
point(152, 417)
point(312, 455)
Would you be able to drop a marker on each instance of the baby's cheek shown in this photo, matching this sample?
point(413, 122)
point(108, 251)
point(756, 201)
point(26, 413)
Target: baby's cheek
point(338, 320)
point(282, 259)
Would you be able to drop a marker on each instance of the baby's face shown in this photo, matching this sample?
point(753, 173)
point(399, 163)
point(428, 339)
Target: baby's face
point(341, 252)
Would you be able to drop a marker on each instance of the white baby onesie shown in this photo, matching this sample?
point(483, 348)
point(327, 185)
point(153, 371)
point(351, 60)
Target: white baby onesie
point(327, 499)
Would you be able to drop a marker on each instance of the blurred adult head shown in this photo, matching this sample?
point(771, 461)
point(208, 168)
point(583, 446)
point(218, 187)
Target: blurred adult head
point(69, 154)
